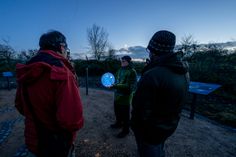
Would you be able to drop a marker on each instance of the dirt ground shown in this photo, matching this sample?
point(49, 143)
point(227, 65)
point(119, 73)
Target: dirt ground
point(193, 138)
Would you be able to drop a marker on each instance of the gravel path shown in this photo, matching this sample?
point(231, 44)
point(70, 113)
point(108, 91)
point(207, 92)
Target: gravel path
point(193, 138)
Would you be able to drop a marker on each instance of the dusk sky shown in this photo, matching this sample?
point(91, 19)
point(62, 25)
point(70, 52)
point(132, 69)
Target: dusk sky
point(128, 22)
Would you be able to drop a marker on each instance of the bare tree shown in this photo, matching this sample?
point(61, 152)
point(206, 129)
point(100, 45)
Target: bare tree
point(26, 55)
point(215, 49)
point(7, 53)
point(188, 45)
point(111, 52)
point(98, 40)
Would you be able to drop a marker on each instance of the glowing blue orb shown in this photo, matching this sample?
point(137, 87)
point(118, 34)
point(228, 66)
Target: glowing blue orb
point(107, 79)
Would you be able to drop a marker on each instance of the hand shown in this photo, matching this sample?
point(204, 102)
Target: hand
point(111, 87)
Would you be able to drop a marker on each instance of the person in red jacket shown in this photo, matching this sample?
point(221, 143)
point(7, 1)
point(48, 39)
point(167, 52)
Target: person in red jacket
point(48, 97)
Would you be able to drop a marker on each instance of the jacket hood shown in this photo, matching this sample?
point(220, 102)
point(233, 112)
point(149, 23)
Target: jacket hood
point(44, 61)
point(172, 61)
point(178, 67)
point(30, 73)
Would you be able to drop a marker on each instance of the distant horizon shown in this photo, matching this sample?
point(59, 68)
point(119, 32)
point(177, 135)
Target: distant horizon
point(139, 52)
point(122, 47)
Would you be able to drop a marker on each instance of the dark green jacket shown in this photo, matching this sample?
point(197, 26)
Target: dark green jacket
point(158, 99)
point(126, 82)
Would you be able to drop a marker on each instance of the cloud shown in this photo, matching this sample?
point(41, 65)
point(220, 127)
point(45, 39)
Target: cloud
point(135, 52)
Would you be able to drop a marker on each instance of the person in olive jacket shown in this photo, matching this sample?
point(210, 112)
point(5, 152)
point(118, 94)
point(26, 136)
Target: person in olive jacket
point(126, 81)
point(160, 94)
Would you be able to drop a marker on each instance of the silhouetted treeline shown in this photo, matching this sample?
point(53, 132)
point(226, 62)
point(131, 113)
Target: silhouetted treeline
point(213, 65)
point(97, 68)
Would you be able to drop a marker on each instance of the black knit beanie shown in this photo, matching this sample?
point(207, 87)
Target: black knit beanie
point(127, 58)
point(162, 42)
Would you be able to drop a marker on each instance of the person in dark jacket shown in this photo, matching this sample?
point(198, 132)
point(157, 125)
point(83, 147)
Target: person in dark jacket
point(160, 95)
point(126, 81)
point(48, 97)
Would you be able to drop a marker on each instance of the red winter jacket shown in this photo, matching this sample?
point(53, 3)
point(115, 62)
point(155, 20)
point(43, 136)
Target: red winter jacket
point(53, 92)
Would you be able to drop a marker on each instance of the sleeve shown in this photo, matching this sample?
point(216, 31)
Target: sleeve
point(121, 86)
point(19, 100)
point(69, 112)
point(117, 85)
point(143, 100)
point(131, 83)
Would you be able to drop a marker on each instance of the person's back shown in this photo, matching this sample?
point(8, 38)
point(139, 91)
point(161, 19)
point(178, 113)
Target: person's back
point(159, 100)
point(49, 98)
point(159, 96)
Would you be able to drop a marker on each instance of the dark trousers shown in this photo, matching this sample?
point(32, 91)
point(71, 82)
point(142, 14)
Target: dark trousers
point(122, 113)
point(148, 150)
point(70, 154)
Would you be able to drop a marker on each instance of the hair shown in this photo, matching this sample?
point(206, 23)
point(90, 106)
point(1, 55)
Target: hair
point(52, 40)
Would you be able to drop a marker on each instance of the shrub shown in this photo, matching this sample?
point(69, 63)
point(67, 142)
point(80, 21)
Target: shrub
point(96, 68)
point(214, 68)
